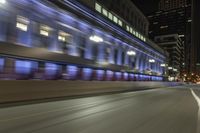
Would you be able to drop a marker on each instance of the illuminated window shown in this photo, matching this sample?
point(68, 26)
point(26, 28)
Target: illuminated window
point(127, 28)
point(120, 22)
point(139, 35)
point(110, 16)
point(44, 30)
point(22, 23)
point(115, 19)
point(98, 7)
point(136, 34)
point(131, 30)
point(63, 36)
point(142, 38)
point(105, 12)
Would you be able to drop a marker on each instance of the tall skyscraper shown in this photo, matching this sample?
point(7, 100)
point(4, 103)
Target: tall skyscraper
point(165, 5)
point(174, 17)
point(195, 47)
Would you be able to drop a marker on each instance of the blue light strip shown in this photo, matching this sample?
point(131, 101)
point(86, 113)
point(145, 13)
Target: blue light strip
point(1, 63)
point(24, 66)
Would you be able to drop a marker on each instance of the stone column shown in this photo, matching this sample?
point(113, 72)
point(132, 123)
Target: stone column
point(111, 55)
point(119, 56)
point(101, 52)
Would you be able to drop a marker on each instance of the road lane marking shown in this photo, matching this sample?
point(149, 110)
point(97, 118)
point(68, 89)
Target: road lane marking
point(198, 101)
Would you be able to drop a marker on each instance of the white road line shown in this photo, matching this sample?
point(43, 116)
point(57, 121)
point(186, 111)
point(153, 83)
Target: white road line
point(198, 101)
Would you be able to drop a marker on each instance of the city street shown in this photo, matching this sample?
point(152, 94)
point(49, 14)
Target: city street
point(166, 110)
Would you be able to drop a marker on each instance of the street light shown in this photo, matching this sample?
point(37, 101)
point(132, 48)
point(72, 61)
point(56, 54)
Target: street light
point(131, 53)
point(96, 38)
point(2, 1)
point(170, 68)
point(152, 61)
point(163, 65)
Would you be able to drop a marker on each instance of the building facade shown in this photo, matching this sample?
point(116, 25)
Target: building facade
point(195, 54)
point(174, 46)
point(174, 17)
point(69, 39)
point(165, 5)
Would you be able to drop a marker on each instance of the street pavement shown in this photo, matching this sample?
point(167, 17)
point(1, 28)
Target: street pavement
point(164, 110)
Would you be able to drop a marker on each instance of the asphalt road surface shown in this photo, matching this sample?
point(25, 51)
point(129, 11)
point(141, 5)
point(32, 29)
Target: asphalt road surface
point(168, 110)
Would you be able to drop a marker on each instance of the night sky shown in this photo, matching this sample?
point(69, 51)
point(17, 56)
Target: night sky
point(147, 6)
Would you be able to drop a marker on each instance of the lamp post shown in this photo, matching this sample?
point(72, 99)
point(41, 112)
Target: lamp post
point(131, 53)
point(151, 61)
point(96, 38)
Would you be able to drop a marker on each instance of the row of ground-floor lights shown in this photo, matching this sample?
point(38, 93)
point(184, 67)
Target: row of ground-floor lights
point(51, 69)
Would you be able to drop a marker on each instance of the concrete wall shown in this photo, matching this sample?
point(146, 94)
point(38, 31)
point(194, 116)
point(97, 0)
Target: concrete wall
point(16, 91)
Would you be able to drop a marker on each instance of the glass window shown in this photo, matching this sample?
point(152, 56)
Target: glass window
point(115, 19)
point(44, 30)
point(142, 38)
point(22, 23)
point(98, 7)
point(136, 34)
point(131, 30)
point(110, 16)
point(120, 22)
point(65, 39)
point(139, 36)
point(105, 12)
point(63, 36)
point(127, 28)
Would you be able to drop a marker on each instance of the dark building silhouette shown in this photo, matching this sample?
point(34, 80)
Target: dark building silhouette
point(174, 17)
point(195, 47)
point(166, 5)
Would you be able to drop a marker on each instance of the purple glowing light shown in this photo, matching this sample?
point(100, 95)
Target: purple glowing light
point(24, 67)
point(51, 68)
point(87, 73)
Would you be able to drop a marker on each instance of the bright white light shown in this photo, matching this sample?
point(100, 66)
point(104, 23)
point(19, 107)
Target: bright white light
point(170, 68)
point(163, 65)
point(21, 26)
point(181, 35)
point(61, 38)
point(44, 30)
point(96, 38)
point(44, 33)
point(22, 23)
point(152, 61)
point(2, 1)
point(175, 70)
point(131, 53)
